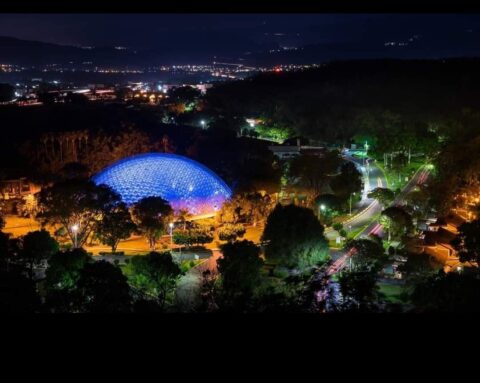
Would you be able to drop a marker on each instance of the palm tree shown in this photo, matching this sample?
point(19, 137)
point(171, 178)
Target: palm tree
point(183, 215)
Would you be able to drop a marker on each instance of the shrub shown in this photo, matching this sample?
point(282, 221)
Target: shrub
point(337, 226)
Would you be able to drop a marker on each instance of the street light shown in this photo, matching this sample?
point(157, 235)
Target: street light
point(366, 151)
point(170, 225)
point(75, 231)
point(203, 123)
point(351, 202)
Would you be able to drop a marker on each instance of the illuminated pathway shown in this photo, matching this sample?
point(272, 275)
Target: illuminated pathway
point(342, 258)
point(369, 207)
point(376, 228)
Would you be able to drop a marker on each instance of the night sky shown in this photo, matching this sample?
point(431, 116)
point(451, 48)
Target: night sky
point(218, 34)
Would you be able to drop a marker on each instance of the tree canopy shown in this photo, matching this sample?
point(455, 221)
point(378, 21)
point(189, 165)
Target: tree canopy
point(240, 269)
point(294, 237)
point(153, 276)
point(114, 226)
point(77, 205)
point(152, 215)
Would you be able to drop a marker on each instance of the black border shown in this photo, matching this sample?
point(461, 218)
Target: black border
point(240, 6)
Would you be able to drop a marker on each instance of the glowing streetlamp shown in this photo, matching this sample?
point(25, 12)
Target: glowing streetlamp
point(202, 122)
point(75, 229)
point(351, 202)
point(170, 225)
point(366, 151)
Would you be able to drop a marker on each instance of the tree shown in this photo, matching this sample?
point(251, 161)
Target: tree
point(418, 199)
point(418, 265)
point(37, 246)
point(397, 221)
point(7, 92)
point(75, 170)
point(312, 174)
point(192, 236)
point(232, 210)
point(103, 288)
point(348, 182)
point(5, 251)
point(183, 216)
point(77, 205)
point(105, 149)
point(17, 293)
point(359, 289)
point(294, 237)
point(330, 203)
point(62, 275)
point(76, 98)
point(151, 215)
point(467, 242)
point(365, 253)
point(186, 95)
point(447, 292)
point(240, 269)
point(245, 207)
point(384, 195)
point(153, 276)
point(115, 225)
point(64, 268)
point(230, 232)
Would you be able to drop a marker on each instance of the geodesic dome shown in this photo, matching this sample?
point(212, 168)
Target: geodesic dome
point(184, 183)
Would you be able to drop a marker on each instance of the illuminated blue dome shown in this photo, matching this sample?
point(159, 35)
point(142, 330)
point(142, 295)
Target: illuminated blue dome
point(184, 183)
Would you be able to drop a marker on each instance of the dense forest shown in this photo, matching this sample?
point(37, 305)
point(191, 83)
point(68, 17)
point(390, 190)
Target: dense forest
point(330, 103)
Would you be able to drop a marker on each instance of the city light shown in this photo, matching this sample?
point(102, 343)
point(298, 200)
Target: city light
point(170, 225)
point(75, 229)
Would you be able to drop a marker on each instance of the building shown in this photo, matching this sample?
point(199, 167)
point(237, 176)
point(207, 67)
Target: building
point(16, 189)
point(184, 183)
point(285, 151)
point(292, 151)
point(437, 240)
point(16, 193)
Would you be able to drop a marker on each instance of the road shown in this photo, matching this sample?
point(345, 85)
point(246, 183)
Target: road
point(341, 258)
point(369, 208)
point(187, 293)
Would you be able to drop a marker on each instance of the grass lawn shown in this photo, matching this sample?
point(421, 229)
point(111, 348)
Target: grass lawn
point(392, 292)
point(392, 176)
point(354, 233)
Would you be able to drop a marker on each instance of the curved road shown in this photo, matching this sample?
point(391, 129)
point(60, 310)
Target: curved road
point(341, 258)
point(373, 178)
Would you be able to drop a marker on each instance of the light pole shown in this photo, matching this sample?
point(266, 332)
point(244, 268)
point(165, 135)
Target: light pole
point(322, 209)
point(170, 225)
point(366, 152)
point(351, 202)
point(75, 231)
point(203, 124)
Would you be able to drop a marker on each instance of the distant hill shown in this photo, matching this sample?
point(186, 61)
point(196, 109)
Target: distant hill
point(28, 53)
point(428, 46)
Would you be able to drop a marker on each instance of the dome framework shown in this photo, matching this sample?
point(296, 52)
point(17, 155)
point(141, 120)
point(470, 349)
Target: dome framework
point(184, 183)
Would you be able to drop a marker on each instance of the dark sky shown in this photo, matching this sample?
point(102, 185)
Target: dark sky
point(224, 34)
point(145, 30)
